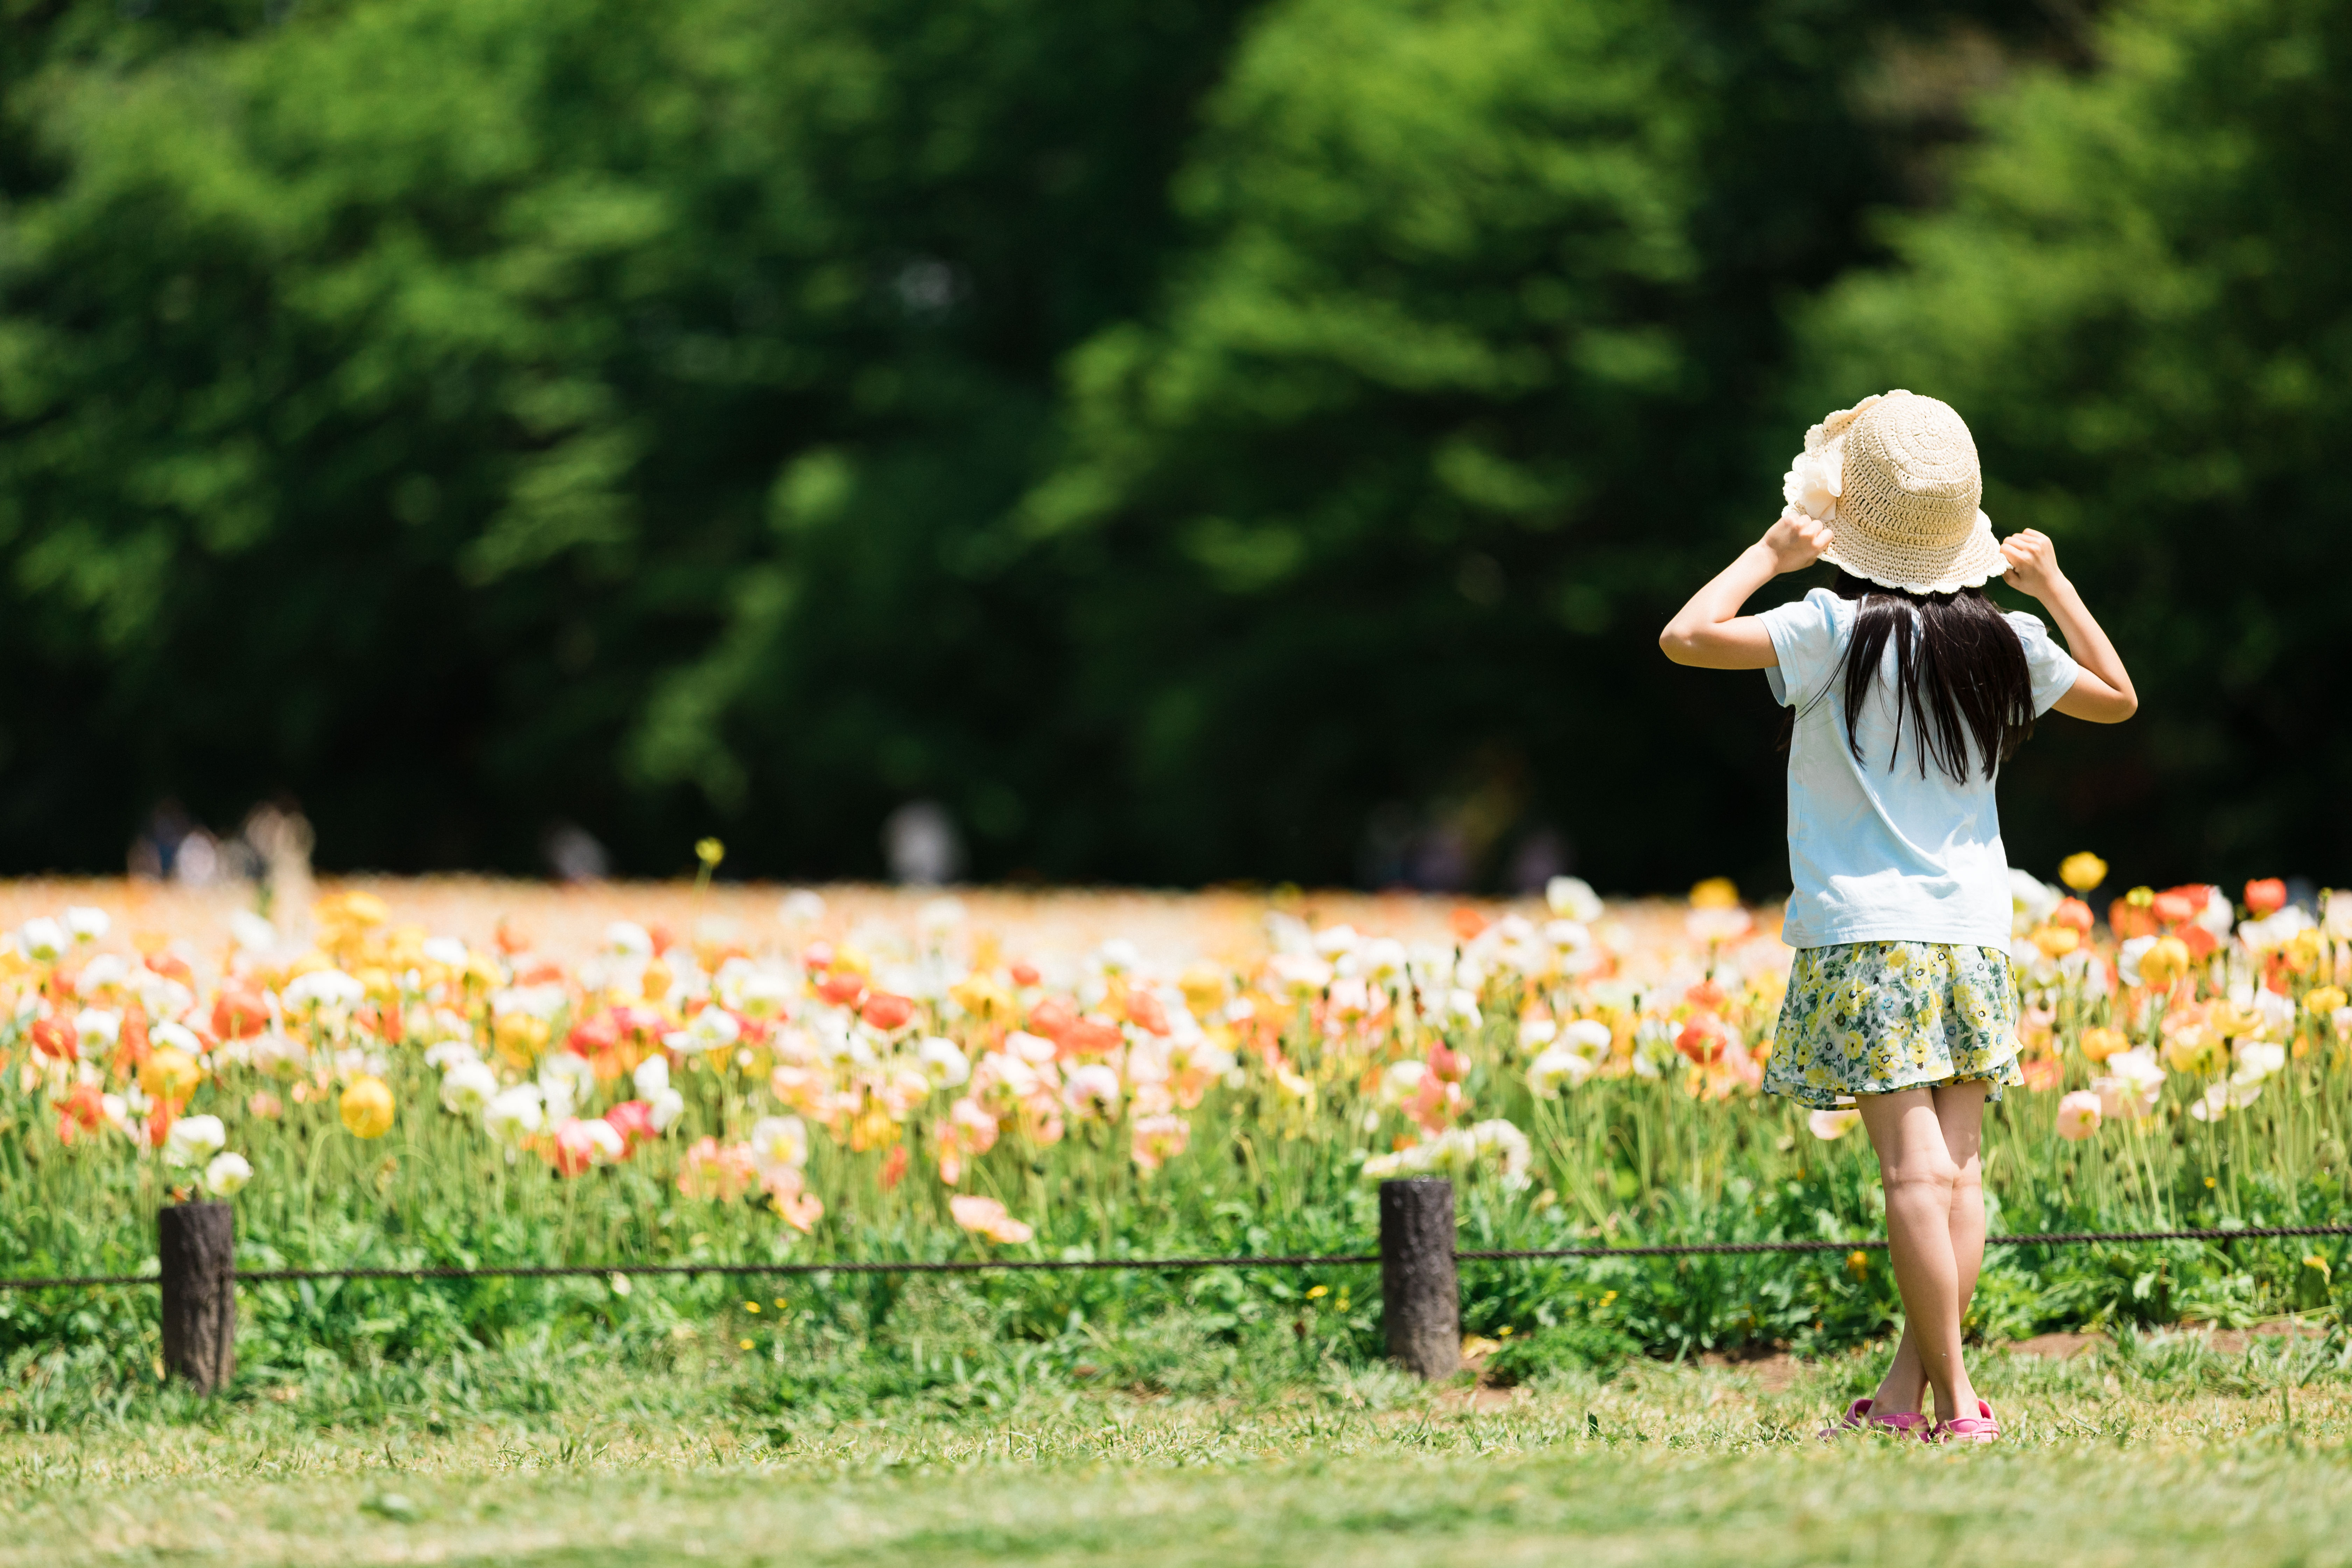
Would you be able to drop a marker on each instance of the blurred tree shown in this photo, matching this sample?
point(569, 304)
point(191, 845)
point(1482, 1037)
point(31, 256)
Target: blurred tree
point(2137, 297)
point(1472, 371)
point(471, 415)
point(43, 42)
point(451, 411)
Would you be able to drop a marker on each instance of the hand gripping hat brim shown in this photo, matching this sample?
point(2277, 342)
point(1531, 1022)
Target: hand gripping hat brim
point(1907, 492)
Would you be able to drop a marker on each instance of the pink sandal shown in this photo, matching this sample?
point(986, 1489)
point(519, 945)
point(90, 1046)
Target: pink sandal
point(1858, 1418)
point(1977, 1429)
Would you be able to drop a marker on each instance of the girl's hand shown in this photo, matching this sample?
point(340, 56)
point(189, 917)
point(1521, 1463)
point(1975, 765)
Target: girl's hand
point(2033, 563)
point(1796, 542)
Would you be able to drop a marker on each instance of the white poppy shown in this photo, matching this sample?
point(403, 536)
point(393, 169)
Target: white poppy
point(712, 1029)
point(194, 1140)
point(324, 988)
point(779, 1142)
point(96, 1031)
point(1556, 1069)
point(467, 1088)
point(41, 938)
point(1572, 899)
point(944, 1062)
point(227, 1176)
point(250, 931)
point(514, 1114)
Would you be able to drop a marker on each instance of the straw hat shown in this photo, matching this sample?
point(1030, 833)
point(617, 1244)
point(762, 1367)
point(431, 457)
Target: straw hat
point(1897, 478)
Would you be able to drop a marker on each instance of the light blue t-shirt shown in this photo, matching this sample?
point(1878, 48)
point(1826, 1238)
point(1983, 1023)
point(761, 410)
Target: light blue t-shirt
point(1880, 854)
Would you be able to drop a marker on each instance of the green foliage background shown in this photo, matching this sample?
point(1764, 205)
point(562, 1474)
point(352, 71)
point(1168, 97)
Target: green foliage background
point(1171, 434)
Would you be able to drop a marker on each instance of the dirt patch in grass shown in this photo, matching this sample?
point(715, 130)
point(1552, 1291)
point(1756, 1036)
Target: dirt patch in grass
point(1774, 1371)
point(2057, 1347)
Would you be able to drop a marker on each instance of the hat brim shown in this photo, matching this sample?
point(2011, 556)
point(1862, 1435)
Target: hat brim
point(1976, 562)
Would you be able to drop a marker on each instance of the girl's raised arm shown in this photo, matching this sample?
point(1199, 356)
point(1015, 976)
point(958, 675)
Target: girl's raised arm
point(2103, 693)
point(1710, 633)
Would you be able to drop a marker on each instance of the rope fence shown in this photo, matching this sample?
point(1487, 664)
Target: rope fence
point(1166, 1265)
point(1421, 1294)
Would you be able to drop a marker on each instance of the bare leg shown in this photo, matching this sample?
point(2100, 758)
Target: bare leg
point(1922, 1186)
point(1959, 1111)
point(1959, 1114)
point(1905, 1382)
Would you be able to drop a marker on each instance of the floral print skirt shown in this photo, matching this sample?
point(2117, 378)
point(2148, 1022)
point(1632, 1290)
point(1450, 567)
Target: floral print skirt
point(1871, 1017)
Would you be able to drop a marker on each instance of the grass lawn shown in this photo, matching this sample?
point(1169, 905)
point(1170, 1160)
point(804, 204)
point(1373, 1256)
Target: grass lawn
point(2150, 1452)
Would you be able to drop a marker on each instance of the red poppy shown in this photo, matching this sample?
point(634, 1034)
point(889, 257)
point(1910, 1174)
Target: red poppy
point(1144, 1011)
point(894, 1166)
point(238, 1012)
point(634, 1120)
point(1701, 1040)
point(170, 966)
point(639, 1020)
point(2072, 912)
point(843, 989)
point(1467, 922)
point(81, 1109)
point(594, 1035)
point(570, 1150)
point(1447, 1065)
point(1088, 1038)
point(886, 1011)
point(1707, 993)
point(131, 1047)
point(2172, 908)
point(1053, 1017)
point(51, 1037)
point(2265, 895)
point(1025, 974)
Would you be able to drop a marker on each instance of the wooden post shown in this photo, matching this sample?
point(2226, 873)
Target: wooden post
point(1421, 1300)
point(197, 1244)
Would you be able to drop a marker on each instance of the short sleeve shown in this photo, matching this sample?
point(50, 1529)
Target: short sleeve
point(2051, 669)
point(1804, 647)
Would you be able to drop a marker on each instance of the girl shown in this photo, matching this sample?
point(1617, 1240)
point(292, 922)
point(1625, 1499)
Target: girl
point(1908, 691)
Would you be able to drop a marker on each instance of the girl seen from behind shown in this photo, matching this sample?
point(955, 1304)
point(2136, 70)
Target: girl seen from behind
point(1908, 688)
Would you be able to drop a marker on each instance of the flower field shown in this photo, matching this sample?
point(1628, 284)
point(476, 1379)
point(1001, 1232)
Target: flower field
point(462, 1073)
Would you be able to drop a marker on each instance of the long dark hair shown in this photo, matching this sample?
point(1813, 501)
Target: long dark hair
point(1959, 674)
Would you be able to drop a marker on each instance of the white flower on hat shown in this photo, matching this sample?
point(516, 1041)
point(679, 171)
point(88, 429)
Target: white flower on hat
point(1815, 480)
